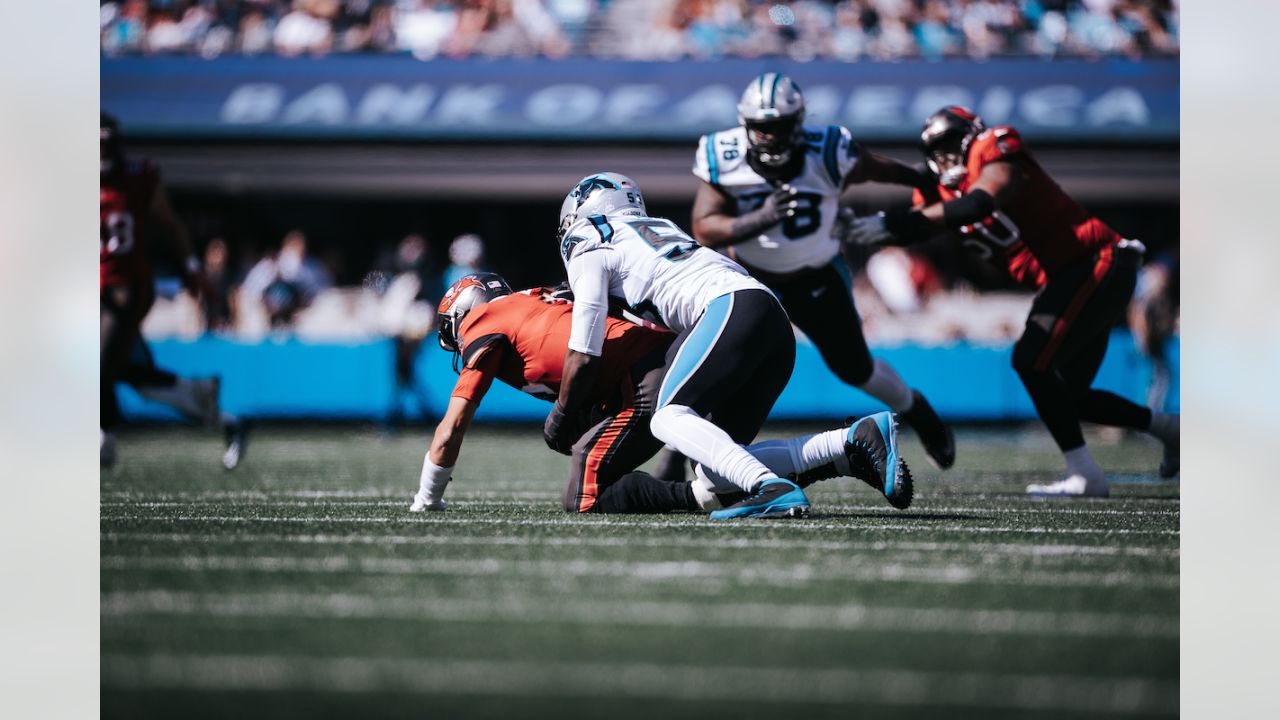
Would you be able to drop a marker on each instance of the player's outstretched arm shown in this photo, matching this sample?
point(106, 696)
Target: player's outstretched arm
point(589, 281)
point(998, 183)
point(447, 441)
point(175, 241)
point(874, 167)
point(717, 224)
point(437, 466)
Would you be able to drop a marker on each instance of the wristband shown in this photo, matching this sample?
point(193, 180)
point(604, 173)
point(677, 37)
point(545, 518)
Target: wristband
point(434, 479)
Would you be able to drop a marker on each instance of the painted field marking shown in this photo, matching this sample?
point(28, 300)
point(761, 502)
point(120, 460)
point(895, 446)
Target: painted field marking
point(579, 521)
point(1039, 551)
point(761, 616)
point(628, 681)
point(466, 498)
point(781, 574)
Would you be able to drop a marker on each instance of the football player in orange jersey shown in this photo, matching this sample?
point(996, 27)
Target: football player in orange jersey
point(520, 338)
point(1003, 205)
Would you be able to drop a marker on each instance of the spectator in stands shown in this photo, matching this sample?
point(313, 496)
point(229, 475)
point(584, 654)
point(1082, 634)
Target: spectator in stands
point(645, 29)
point(466, 256)
point(407, 285)
point(307, 28)
point(285, 283)
point(217, 303)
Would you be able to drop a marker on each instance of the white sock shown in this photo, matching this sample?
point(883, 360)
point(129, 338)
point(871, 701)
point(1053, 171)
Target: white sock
point(699, 440)
point(183, 396)
point(886, 386)
point(1164, 426)
point(786, 457)
point(705, 496)
point(1081, 462)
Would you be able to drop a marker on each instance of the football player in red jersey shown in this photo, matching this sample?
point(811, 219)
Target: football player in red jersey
point(1003, 205)
point(135, 217)
point(521, 338)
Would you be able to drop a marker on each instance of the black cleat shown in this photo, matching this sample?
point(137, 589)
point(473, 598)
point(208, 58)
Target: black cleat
point(871, 447)
point(939, 442)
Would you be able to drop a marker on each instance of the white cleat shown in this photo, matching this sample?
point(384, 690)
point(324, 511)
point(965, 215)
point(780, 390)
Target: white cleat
point(235, 434)
point(421, 504)
point(1071, 486)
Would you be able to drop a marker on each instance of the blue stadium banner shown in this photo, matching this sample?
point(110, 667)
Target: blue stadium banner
point(398, 97)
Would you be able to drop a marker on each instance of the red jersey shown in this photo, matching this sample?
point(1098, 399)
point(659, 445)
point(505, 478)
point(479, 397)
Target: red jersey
point(521, 339)
point(1040, 231)
point(124, 206)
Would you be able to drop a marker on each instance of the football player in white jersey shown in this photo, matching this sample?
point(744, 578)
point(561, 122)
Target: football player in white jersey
point(770, 192)
point(732, 356)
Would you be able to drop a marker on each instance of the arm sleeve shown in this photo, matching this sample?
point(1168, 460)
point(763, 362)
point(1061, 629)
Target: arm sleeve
point(589, 279)
point(474, 381)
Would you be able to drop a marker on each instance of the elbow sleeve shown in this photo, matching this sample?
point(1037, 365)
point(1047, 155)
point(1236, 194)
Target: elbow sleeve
point(968, 209)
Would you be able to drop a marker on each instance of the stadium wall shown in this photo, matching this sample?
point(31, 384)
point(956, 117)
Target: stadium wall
point(290, 379)
point(361, 98)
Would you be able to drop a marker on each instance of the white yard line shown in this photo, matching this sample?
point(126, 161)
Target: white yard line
point(763, 616)
point(629, 681)
point(1043, 509)
point(457, 519)
point(878, 546)
point(774, 574)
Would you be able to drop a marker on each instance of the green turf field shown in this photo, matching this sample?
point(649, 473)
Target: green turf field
point(298, 586)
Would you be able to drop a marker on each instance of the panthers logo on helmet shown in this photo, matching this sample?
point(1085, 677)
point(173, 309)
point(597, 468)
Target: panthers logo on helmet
point(604, 193)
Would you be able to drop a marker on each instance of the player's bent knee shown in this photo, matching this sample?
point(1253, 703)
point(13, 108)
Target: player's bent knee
point(665, 422)
point(1026, 353)
point(856, 372)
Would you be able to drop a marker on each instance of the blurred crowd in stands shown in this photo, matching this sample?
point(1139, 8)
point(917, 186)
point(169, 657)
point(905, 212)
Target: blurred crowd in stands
point(928, 295)
point(802, 30)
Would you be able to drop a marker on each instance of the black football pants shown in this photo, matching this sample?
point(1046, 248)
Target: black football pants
point(1065, 340)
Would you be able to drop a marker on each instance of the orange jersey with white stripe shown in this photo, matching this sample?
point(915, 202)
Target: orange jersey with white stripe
point(1041, 230)
point(521, 339)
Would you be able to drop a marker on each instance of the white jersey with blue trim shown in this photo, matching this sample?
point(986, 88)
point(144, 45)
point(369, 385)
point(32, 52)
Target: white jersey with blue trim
point(651, 265)
point(802, 241)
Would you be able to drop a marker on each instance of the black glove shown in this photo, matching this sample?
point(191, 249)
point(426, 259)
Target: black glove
point(562, 430)
point(778, 206)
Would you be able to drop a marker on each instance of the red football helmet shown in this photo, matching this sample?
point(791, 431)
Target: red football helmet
point(945, 141)
point(461, 297)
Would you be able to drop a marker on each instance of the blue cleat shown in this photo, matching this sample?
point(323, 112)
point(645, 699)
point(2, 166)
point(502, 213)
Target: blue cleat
point(774, 498)
point(871, 447)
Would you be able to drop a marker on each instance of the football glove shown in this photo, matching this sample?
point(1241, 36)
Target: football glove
point(868, 232)
point(777, 206)
point(562, 430)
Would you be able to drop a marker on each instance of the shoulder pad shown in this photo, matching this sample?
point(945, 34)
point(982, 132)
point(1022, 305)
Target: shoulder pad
point(720, 153)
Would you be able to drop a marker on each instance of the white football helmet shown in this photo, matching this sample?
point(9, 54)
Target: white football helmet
point(603, 193)
point(772, 111)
